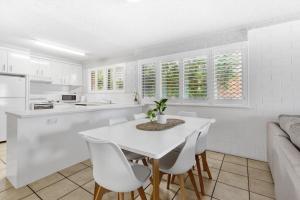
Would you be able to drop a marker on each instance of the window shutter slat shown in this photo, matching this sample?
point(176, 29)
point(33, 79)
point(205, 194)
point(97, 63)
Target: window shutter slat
point(119, 77)
point(148, 80)
point(228, 82)
point(195, 77)
point(170, 79)
point(93, 80)
point(110, 82)
point(100, 79)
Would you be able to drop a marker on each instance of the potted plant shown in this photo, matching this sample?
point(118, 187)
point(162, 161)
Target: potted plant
point(160, 108)
point(151, 114)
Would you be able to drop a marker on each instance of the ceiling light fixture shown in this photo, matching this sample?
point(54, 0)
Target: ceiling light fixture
point(58, 48)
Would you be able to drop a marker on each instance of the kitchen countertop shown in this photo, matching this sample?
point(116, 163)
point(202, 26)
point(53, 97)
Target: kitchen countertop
point(69, 110)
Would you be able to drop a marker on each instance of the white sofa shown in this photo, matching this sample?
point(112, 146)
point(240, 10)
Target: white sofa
point(284, 161)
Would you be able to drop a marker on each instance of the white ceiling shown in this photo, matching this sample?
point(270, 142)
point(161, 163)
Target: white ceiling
point(107, 28)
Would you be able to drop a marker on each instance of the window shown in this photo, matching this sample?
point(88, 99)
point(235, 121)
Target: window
point(228, 76)
point(107, 79)
point(195, 78)
point(148, 80)
point(170, 79)
point(214, 76)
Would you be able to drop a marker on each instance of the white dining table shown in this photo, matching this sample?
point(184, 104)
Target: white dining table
point(153, 144)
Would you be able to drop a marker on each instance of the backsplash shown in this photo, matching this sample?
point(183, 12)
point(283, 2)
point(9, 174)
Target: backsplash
point(125, 98)
point(44, 91)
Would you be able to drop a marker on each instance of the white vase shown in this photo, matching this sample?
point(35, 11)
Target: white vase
point(162, 119)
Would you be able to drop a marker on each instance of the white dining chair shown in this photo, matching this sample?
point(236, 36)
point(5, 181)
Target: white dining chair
point(179, 163)
point(129, 155)
point(139, 116)
point(113, 172)
point(200, 151)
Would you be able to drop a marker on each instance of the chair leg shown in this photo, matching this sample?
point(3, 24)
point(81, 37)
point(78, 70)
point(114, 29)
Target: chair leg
point(200, 174)
point(132, 195)
point(173, 179)
point(121, 195)
point(137, 161)
point(168, 182)
point(182, 188)
point(142, 193)
point(100, 193)
point(204, 160)
point(145, 162)
point(96, 191)
point(191, 175)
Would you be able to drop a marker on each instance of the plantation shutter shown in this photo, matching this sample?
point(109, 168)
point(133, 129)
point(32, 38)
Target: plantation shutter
point(195, 77)
point(100, 79)
point(93, 80)
point(228, 72)
point(110, 81)
point(170, 79)
point(148, 80)
point(119, 77)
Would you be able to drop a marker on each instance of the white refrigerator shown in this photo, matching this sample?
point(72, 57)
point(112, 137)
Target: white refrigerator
point(12, 98)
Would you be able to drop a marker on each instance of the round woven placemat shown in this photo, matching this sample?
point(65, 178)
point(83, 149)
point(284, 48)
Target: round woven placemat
point(154, 126)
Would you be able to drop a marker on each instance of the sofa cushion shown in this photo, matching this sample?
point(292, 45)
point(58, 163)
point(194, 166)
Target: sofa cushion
point(291, 125)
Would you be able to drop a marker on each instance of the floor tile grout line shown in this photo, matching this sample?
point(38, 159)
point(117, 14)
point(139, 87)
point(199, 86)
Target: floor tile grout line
point(248, 179)
point(263, 195)
point(85, 164)
point(53, 184)
point(33, 193)
point(212, 194)
point(78, 184)
point(236, 163)
point(47, 185)
point(59, 172)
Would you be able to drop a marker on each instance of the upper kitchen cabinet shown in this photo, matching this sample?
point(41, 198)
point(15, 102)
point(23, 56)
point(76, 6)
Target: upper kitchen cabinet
point(75, 76)
point(3, 61)
point(66, 74)
point(18, 63)
point(40, 69)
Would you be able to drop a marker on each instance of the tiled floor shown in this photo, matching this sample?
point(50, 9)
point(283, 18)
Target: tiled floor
point(234, 178)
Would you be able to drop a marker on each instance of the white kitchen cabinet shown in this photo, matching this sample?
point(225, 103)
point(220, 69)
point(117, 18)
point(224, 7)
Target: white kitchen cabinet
point(66, 74)
point(75, 75)
point(3, 61)
point(18, 63)
point(56, 73)
point(40, 69)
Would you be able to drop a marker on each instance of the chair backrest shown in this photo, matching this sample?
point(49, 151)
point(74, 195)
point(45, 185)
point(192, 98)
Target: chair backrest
point(202, 140)
point(139, 116)
point(186, 158)
point(111, 169)
point(187, 114)
point(119, 120)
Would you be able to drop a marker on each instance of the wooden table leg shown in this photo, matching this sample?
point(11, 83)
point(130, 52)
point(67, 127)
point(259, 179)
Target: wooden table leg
point(155, 168)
